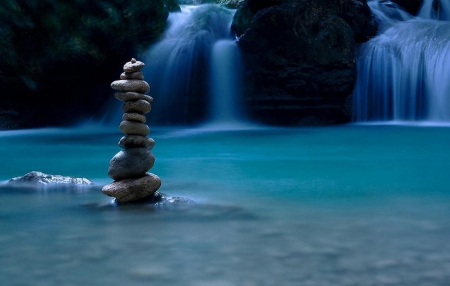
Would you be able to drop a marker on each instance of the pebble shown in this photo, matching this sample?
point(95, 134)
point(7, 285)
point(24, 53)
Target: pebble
point(135, 85)
point(134, 128)
point(132, 75)
point(134, 117)
point(129, 190)
point(140, 106)
point(127, 96)
point(130, 163)
point(133, 66)
point(132, 141)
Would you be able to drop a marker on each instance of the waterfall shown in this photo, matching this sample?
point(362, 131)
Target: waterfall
point(435, 9)
point(404, 72)
point(194, 62)
point(225, 83)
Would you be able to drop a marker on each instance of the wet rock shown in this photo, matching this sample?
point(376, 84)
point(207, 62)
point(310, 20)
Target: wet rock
point(139, 106)
point(129, 190)
point(127, 96)
point(132, 75)
point(133, 141)
point(133, 66)
point(308, 79)
point(40, 178)
point(134, 128)
point(134, 117)
point(134, 85)
point(172, 5)
point(130, 163)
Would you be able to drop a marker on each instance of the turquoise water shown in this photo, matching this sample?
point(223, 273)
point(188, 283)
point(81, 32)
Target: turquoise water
point(346, 205)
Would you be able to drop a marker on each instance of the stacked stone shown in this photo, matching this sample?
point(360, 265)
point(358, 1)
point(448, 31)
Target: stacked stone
point(129, 167)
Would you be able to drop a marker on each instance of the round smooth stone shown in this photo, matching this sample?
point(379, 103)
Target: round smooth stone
point(129, 190)
point(134, 117)
point(133, 66)
point(127, 96)
point(133, 141)
point(130, 163)
point(135, 85)
point(139, 106)
point(134, 128)
point(132, 75)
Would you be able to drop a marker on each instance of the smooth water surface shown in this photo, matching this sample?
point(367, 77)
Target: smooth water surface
point(348, 205)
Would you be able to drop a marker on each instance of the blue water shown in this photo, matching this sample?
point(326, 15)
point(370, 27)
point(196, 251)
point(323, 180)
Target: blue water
point(345, 205)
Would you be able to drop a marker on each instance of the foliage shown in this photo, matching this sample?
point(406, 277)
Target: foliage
point(35, 35)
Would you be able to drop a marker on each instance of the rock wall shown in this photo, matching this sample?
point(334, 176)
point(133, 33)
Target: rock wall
point(299, 58)
point(58, 57)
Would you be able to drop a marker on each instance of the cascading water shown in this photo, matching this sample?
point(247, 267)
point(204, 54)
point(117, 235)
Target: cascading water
point(181, 67)
point(404, 73)
point(225, 83)
point(435, 9)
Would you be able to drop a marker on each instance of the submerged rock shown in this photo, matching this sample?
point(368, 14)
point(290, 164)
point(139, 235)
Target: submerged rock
point(40, 178)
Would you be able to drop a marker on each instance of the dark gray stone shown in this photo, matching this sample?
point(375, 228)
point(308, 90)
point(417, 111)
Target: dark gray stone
point(127, 96)
point(129, 190)
point(139, 106)
point(133, 85)
point(132, 75)
point(130, 163)
point(134, 128)
point(133, 66)
point(133, 141)
point(134, 117)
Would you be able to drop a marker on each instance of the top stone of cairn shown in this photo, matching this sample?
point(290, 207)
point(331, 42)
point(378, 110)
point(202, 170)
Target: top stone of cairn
point(133, 66)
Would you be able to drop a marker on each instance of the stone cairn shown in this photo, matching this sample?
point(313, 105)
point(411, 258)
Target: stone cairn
point(129, 167)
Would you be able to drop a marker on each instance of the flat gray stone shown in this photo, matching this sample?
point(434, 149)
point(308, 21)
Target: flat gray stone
point(133, 66)
point(134, 117)
point(133, 141)
point(139, 106)
point(129, 190)
point(131, 96)
point(134, 85)
point(40, 178)
point(130, 163)
point(134, 128)
point(132, 75)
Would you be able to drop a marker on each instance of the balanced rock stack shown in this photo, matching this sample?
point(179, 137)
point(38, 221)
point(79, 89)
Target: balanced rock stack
point(129, 167)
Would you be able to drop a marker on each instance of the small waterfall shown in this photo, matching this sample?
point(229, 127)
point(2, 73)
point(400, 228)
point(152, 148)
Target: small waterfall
point(404, 73)
point(435, 9)
point(225, 83)
point(178, 67)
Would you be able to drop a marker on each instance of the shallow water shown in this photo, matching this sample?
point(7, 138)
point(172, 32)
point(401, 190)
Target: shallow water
point(347, 205)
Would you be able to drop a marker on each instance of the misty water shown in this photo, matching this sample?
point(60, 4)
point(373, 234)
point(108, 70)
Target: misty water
point(346, 205)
